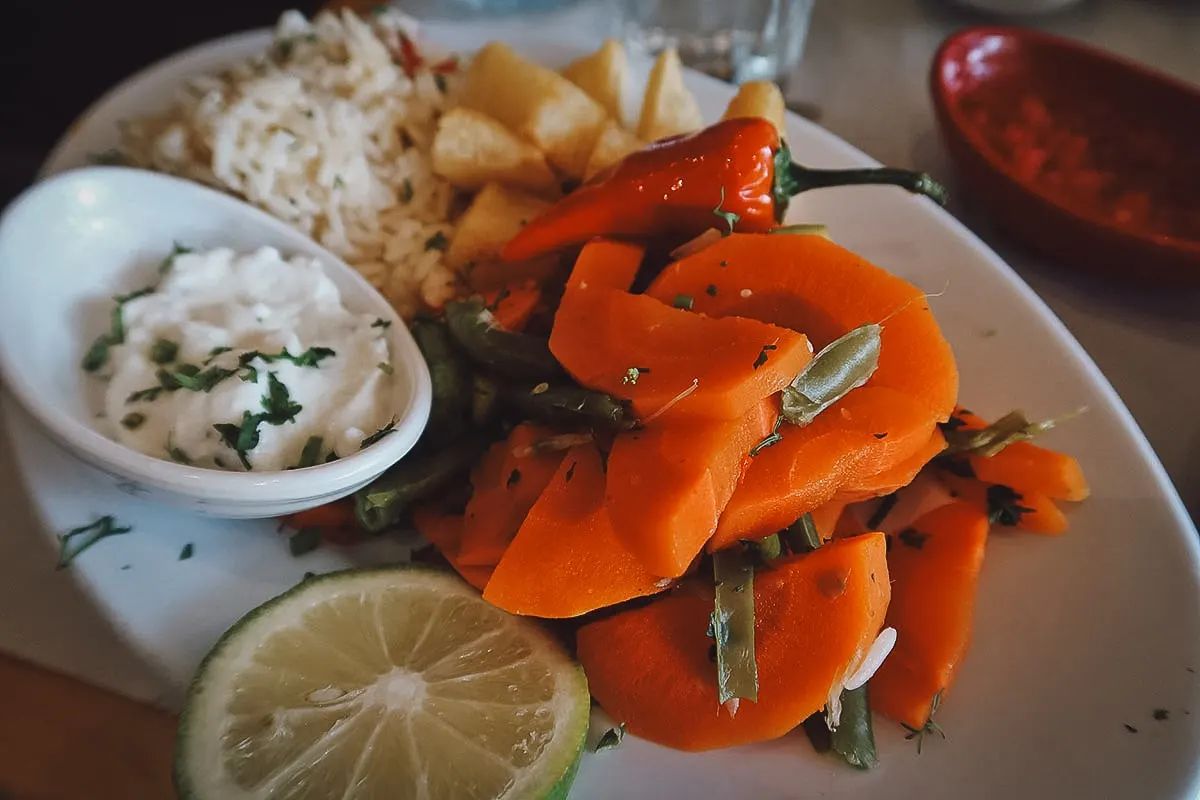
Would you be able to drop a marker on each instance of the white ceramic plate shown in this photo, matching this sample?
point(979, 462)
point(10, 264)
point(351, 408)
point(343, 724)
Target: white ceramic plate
point(1076, 637)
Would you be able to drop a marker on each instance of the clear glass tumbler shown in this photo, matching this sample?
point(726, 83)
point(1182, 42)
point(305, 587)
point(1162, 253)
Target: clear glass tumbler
point(735, 40)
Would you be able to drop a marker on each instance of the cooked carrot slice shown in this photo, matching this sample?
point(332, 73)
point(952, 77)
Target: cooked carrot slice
point(1032, 511)
point(669, 483)
point(934, 566)
point(669, 361)
point(1028, 467)
point(444, 531)
point(513, 305)
point(566, 559)
point(505, 487)
point(815, 617)
point(896, 477)
point(606, 264)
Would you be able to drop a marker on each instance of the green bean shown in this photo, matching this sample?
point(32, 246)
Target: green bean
point(474, 329)
point(449, 376)
point(732, 626)
point(854, 739)
point(809, 229)
point(380, 504)
point(802, 536)
point(567, 406)
point(841, 366)
point(484, 400)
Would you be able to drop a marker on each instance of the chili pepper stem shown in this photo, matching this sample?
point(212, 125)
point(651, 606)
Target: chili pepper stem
point(804, 178)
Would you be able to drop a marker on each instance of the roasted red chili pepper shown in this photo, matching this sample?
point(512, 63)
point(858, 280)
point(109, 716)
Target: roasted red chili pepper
point(737, 172)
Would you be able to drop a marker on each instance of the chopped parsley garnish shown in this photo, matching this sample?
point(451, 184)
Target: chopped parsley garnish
point(72, 543)
point(385, 368)
point(762, 354)
point(133, 420)
point(711, 291)
point(611, 738)
point(1004, 506)
point(437, 242)
point(176, 250)
point(514, 478)
point(382, 323)
point(377, 435)
point(163, 351)
point(1161, 714)
point(178, 455)
point(912, 538)
point(338, 183)
point(406, 191)
point(216, 351)
point(97, 355)
point(774, 437)
point(278, 402)
point(311, 357)
point(304, 541)
point(187, 552)
point(930, 726)
point(311, 454)
point(279, 409)
point(439, 80)
point(241, 438)
point(882, 510)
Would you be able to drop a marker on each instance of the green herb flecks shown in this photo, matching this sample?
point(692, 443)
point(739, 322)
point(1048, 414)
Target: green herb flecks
point(732, 626)
point(772, 438)
point(278, 402)
point(406, 191)
point(762, 355)
point(610, 739)
point(1004, 506)
point(854, 738)
point(97, 355)
point(711, 291)
point(241, 438)
point(74, 542)
point(437, 242)
point(176, 250)
point(310, 456)
point(312, 357)
point(133, 420)
point(729, 217)
point(802, 535)
point(378, 435)
point(304, 541)
point(886, 504)
point(1011, 428)
point(385, 368)
point(380, 322)
point(187, 552)
point(911, 537)
point(177, 454)
point(929, 727)
point(163, 351)
point(840, 367)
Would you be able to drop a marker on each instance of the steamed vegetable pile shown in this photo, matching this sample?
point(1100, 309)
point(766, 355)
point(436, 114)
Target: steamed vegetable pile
point(690, 439)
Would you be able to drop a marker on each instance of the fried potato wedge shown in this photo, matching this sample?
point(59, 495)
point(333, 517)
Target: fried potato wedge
point(668, 107)
point(615, 143)
point(759, 99)
point(603, 75)
point(471, 149)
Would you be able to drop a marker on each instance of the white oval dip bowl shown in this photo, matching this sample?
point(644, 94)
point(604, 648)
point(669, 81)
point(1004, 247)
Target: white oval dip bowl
point(68, 245)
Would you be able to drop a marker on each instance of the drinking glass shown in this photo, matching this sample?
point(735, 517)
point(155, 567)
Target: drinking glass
point(735, 40)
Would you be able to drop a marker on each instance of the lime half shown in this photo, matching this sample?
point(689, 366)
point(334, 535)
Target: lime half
point(391, 683)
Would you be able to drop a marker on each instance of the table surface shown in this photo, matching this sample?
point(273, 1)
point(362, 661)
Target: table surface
point(865, 70)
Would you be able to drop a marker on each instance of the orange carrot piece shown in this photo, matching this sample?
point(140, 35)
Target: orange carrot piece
point(503, 492)
point(826, 517)
point(606, 264)
point(669, 483)
point(659, 357)
point(815, 286)
point(934, 567)
point(815, 616)
point(444, 531)
point(1028, 467)
point(1037, 512)
point(566, 559)
point(512, 306)
point(896, 477)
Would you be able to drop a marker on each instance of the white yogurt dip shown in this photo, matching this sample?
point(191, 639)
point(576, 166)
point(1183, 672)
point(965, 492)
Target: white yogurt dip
point(245, 361)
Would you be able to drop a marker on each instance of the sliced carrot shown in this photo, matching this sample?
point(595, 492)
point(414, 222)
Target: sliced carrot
point(896, 477)
point(513, 305)
point(1028, 467)
point(815, 617)
point(669, 361)
point(934, 567)
point(1035, 512)
point(338, 514)
point(607, 264)
point(444, 531)
point(505, 487)
point(810, 284)
point(825, 517)
point(669, 483)
point(566, 559)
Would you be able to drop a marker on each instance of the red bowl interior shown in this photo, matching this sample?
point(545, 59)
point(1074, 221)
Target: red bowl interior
point(1086, 157)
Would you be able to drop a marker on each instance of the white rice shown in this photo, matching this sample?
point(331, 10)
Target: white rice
point(314, 132)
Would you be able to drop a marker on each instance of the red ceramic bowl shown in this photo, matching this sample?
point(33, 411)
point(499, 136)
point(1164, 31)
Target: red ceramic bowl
point(1087, 158)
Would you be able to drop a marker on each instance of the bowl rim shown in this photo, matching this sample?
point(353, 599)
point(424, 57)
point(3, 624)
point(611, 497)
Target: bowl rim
point(948, 105)
point(215, 485)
